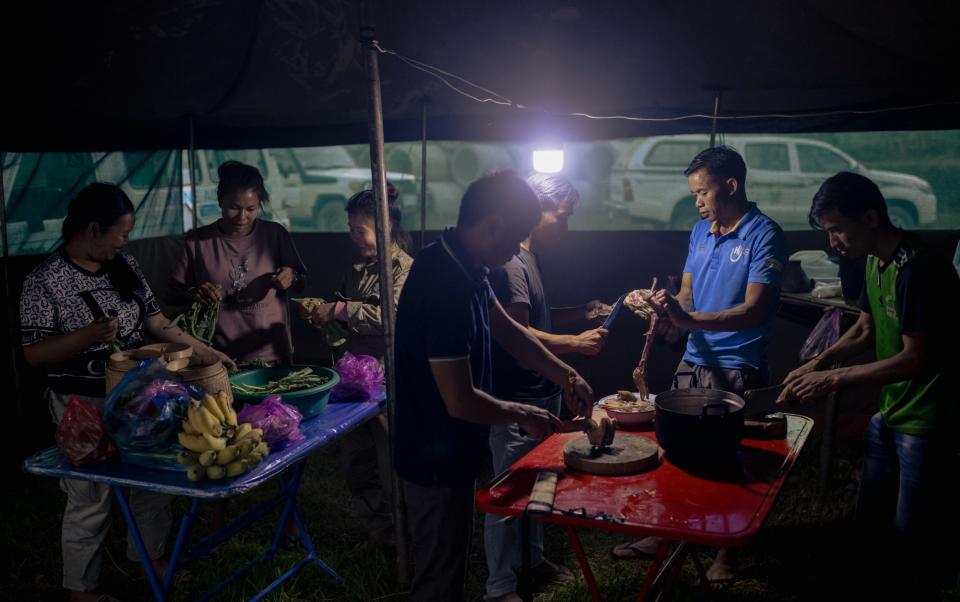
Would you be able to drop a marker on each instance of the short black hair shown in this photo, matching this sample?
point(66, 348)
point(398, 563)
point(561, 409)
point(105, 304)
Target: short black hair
point(104, 204)
point(501, 193)
point(235, 177)
point(721, 162)
point(852, 195)
point(365, 203)
point(553, 190)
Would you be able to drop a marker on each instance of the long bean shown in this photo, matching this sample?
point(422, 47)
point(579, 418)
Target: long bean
point(295, 381)
point(199, 321)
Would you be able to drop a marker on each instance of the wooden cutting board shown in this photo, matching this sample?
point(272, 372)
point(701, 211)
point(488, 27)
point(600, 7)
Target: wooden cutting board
point(629, 454)
point(772, 426)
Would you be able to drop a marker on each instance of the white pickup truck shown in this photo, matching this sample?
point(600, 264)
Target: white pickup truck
point(647, 184)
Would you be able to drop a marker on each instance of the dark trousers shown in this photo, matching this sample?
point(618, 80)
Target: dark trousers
point(731, 380)
point(441, 524)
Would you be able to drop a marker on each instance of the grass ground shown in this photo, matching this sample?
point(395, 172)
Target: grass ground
point(800, 552)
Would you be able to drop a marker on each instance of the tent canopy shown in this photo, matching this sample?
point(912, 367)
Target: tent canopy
point(119, 75)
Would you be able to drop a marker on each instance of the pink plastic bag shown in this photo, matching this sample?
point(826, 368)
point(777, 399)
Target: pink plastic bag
point(280, 421)
point(823, 336)
point(82, 435)
point(361, 378)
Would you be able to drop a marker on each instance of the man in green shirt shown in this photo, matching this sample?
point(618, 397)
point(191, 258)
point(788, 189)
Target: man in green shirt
point(910, 441)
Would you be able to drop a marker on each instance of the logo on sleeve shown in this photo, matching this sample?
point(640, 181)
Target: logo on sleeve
point(773, 264)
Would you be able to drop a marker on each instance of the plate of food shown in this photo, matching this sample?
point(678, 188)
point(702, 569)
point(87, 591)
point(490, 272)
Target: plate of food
point(628, 409)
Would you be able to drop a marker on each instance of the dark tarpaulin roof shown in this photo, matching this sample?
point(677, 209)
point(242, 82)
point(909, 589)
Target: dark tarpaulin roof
point(122, 74)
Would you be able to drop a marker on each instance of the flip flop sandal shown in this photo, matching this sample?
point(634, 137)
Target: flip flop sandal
point(633, 549)
point(720, 585)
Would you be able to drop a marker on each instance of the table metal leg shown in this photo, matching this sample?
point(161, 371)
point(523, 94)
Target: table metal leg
point(584, 563)
point(158, 589)
point(525, 584)
point(663, 570)
point(286, 499)
point(827, 446)
point(182, 536)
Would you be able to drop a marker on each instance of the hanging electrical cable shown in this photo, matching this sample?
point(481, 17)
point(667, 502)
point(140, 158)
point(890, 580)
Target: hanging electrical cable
point(496, 98)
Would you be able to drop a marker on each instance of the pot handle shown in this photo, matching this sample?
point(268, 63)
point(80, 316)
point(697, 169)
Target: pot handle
point(690, 373)
point(708, 406)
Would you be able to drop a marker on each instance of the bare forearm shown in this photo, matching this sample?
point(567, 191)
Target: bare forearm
point(855, 341)
point(556, 343)
point(531, 354)
point(159, 328)
point(482, 408)
point(55, 349)
point(898, 368)
point(741, 317)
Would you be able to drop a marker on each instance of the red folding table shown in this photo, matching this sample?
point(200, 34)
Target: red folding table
point(666, 501)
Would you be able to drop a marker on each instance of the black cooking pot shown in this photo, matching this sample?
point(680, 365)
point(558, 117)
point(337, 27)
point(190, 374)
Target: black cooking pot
point(699, 428)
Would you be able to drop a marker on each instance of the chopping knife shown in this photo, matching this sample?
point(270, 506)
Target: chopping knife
point(760, 402)
point(613, 312)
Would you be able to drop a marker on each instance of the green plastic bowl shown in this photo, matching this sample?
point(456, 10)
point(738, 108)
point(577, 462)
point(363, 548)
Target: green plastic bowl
point(310, 401)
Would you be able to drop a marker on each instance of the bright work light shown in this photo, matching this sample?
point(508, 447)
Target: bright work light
point(548, 160)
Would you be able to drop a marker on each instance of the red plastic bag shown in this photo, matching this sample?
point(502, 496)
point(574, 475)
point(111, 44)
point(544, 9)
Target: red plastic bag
point(82, 435)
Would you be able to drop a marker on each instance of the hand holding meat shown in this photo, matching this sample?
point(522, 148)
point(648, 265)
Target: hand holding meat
point(665, 303)
point(591, 342)
point(537, 422)
point(578, 395)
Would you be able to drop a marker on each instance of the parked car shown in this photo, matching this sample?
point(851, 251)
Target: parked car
point(39, 186)
point(783, 173)
point(320, 180)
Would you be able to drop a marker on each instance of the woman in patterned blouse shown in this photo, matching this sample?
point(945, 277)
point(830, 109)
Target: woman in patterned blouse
point(84, 296)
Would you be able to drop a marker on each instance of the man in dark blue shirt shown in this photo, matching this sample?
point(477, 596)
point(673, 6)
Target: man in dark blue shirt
point(446, 318)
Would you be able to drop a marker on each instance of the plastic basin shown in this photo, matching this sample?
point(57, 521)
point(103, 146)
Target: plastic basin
point(310, 401)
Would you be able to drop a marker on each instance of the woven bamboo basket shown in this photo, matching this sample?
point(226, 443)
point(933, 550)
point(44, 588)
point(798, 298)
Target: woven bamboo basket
point(171, 351)
point(211, 378)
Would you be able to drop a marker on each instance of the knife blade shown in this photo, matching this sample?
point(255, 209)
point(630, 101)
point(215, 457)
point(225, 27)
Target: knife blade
point(613, 312)
point(760, 402)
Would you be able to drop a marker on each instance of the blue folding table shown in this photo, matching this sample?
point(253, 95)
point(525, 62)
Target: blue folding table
point(333, 422)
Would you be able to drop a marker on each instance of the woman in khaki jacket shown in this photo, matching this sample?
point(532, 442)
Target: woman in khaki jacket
point(365, 451)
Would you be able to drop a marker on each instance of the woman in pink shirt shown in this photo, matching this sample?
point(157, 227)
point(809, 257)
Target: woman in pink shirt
point(248, 265)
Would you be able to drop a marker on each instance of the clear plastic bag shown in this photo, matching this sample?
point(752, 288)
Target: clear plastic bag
point(361, 378)
point(824, 334)
point(144, 412)
point(82, 435)
point(280, 421)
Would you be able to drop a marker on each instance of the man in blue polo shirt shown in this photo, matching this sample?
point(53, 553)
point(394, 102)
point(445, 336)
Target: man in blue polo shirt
point(728, 296)
point(446, 319)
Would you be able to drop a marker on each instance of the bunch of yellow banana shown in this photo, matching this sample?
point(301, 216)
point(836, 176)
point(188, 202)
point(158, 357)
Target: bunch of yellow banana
point(215, 445)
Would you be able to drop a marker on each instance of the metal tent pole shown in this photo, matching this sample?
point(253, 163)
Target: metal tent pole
point(716, 113)
point(192, 166)
point(423, 176)
point(6, 290)
point(384, 259)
